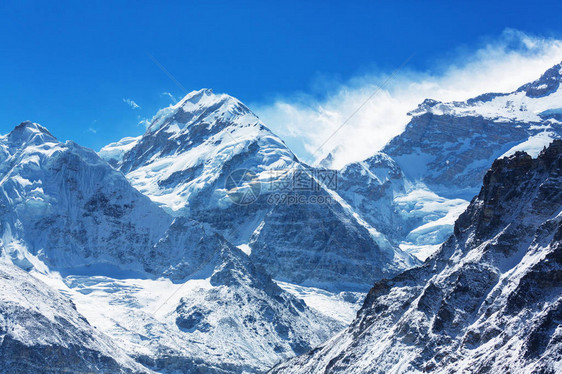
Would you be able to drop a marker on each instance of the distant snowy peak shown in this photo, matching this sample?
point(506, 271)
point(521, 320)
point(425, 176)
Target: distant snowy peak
point(327, 161)
point(449, 146)
point(408, 214)
point(378, 168)
point(547, 84)
point(532, 102)
point(13, 144)
point(28, 133)
point(114, 152)
point(28, 127)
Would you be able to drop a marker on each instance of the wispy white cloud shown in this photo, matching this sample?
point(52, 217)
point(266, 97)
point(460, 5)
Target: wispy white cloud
point(131, 103)
point(92, 130)
point(172, 97)
point(145, 122)
point(500, 65)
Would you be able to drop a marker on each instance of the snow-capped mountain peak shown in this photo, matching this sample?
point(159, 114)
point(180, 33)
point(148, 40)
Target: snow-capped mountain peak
point(29, 132)
point(532, 102)
point(186, 159)
point(547, 84)
point(114, 152)
point(201, 107)
point(188, 144)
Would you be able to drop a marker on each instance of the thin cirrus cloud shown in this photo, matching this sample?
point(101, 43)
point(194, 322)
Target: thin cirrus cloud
point(170, 96)
point(131, 103)
point(500, 65)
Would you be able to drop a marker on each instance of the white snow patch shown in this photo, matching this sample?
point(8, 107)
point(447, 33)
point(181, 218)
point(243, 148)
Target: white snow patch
point(342, 306)
point(534, 145)
point(245, 248)
point(115, 151)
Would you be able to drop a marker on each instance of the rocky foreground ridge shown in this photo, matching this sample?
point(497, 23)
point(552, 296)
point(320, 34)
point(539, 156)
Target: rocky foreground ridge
point(489, 301)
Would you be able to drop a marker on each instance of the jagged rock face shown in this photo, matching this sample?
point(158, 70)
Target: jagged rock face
point(65, 205)
point(232, 319)
point(456, 150)
point(185, 161)
point(449, 146)
point(488, 301)
point(41, 332)
point(323, 245)
point(547, 84)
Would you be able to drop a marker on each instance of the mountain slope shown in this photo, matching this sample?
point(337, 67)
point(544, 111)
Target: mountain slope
point(230, 318)
point(488, 301)
point(64, 207)
point(41, 332)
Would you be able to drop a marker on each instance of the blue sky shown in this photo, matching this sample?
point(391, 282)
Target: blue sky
point(78, 67)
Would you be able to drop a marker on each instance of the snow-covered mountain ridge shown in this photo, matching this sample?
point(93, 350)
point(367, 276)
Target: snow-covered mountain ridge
point(488, 301)
point(414, 189)
point(41, 332)
point(449, 146)
point(406, 212)
point(532, 102)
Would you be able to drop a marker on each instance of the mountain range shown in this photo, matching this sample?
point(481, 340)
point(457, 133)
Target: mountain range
point(206, 245)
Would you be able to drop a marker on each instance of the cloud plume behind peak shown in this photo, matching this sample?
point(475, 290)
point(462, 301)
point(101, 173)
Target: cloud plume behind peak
point(308, 123)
